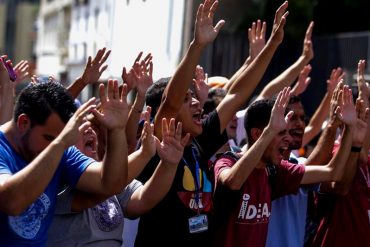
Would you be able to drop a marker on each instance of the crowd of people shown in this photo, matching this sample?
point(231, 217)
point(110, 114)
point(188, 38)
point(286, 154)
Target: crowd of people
point(184, 156)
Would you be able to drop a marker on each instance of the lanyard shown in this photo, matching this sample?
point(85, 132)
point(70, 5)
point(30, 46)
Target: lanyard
point(196, 177)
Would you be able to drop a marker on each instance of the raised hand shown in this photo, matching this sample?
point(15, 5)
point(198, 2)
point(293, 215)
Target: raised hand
point(114, 109)
point(277, 33)
point(361, 123)
point(145, 73)
point(256, 38)
point(346, 111)
point(70, 133)
point(303, 80)
point(335, 77)
point(4, 76)
point(21, 69)
point(171, 149)
point(148, 142)
point(205, 32)
point(95, 67)
point(363, 86)
point(336, 100)
point(278, 121)
point(200, 83)
point(307, 52)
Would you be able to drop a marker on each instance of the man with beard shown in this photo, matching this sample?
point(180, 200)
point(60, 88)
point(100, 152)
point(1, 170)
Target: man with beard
point(36, 155)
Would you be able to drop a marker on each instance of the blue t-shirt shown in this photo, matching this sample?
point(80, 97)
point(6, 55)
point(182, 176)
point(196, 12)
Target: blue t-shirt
point(30, 228)
point(288, 217)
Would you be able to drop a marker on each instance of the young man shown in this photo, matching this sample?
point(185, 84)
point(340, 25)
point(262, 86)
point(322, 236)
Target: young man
point(182, 218)
point(246, 183)
point(35, 155)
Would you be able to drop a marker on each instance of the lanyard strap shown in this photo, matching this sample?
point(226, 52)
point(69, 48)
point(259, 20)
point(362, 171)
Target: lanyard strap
point(196, 177)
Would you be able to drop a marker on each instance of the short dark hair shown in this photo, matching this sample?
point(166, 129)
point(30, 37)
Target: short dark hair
point(38, 101)
point(257, 116)
point(215, 96)
point(153, 96)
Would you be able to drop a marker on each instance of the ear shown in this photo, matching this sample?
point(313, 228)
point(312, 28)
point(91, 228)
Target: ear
point(255, 133)
point(23, 123)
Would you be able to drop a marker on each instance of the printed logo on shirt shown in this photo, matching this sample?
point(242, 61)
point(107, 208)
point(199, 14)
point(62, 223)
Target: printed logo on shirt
point(188, 197)
point(28, 224)
point(107, 215)
point(250, 213)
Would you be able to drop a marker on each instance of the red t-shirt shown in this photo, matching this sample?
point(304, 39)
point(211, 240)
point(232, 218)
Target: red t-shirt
point(347, 222)
point(242, 216)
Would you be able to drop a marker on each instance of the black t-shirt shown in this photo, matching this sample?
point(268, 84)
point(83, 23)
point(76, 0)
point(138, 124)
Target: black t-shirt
point(167, 223)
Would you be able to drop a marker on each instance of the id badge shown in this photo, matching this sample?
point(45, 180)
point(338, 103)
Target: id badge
point(198, 223)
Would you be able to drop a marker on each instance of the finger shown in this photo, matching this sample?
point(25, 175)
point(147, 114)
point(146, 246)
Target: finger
point(250, 35)
point(102, 96)
point(288, 116)
point(124, 92)
point(258, 28)
point(263, 31)
point(83, 127)
point(280, 12)
point(124, 74)
point(178, 132)
point(219, 25)
point(148, 58)
point(172, 128)
point(83, 114)
point(103, 69)
point(110, 91)
point(105, 57)
point(253, 31)
point(164, 128)
point(308, 36)
point(115, 90)
point(150, 69)
point(137, 58)
point(206, 9)
point(98, 55)
point(199, 14)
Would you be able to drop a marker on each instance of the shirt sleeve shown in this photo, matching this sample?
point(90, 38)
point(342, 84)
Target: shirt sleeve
point(211, 139)
point(126, 194)
point(288, 179)
point(74, 163)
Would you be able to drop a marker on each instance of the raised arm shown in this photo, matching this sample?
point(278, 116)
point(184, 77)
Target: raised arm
point(110, 176)
point(235, 176)
point(176, 90)
point(140, 78)
point(256, 39)
point(244, 85)
point(170, 150)
point(93, 70)
point(334, 170)
point(200, 85)
point(314, 126)
point(286, 78)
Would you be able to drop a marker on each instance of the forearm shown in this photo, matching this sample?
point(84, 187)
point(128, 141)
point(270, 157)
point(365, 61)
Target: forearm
point(285, 79)
point(153, 190)
point(114, 169)
point(342, 186)
point(339, 161)
point(322, 152)
point(244, 85)
point(76, 87)
point(238, 73)
point(235, 177)
point(132, 123)
point(136, 163)
point(314, 126)
point(15, 192)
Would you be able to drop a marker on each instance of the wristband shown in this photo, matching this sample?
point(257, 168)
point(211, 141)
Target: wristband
point(355, 149)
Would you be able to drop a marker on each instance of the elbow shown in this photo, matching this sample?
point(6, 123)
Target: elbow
point(232, 184)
